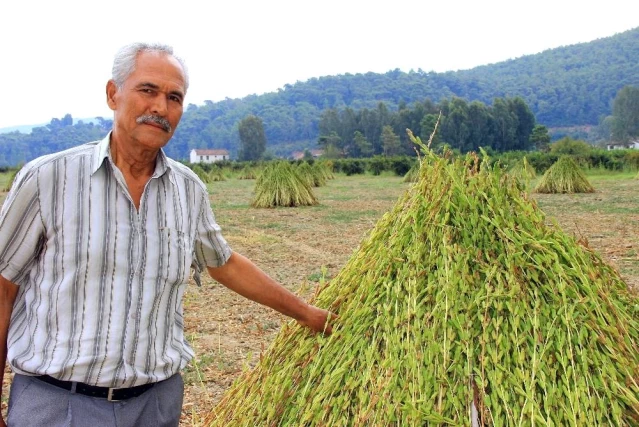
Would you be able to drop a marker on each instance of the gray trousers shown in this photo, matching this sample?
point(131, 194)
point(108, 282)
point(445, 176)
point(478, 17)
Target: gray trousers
point(33, 403)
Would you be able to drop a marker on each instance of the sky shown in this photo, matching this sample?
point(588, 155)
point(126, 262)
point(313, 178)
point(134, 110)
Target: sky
point(57, 55)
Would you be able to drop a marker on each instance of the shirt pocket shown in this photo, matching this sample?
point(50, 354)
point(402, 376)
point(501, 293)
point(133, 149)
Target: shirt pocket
point(174, 256)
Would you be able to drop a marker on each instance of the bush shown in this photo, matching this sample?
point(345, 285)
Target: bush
point(353, 167)
point(401, 165)
point(378, 164)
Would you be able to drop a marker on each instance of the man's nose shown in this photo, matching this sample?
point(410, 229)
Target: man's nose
point(159, 106)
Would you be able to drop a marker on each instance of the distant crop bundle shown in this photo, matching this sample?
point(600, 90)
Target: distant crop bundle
point(565, 176)
point(247, 172)
point(523, 170)
point(279, 184)
point(462, 305)
point(312, 175)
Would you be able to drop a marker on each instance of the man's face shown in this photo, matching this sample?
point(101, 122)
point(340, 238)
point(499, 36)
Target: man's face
point(149, 105)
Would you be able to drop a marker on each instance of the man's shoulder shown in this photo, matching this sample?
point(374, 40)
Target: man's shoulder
point(184, 172)
point(52, 158)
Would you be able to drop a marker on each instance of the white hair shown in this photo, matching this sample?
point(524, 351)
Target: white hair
point(125, 60)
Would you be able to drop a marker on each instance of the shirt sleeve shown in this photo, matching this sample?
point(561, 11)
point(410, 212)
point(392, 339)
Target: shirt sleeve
point(211, 249)
point(21, 228)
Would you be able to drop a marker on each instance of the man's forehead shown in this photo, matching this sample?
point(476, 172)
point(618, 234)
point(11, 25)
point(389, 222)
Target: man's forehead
point(160, 65)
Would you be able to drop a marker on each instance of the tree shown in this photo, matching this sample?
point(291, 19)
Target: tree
point(569, 146)
point(455, 129)
point(361, 146)
point(252, 138)
point(390, 141)
point(505, 122)
point(540, 137)
point(625, 113)
point(525, 123)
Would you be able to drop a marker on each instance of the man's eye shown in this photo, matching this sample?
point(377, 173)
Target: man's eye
point(176, 99)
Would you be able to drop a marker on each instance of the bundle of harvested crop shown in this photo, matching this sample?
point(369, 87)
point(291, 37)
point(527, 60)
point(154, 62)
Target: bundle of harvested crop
point(313, 176)
point(201, 173)
point(565, 176)
point(216, 174)
point(324, 168)
point(523, 170)
point(279, 184)
point(413, 174)
point(247, 172)
point(461, 306)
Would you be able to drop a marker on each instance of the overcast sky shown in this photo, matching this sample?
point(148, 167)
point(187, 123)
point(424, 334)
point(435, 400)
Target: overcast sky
point(56, 55)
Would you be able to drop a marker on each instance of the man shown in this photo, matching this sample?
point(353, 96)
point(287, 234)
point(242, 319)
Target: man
point(96, 245)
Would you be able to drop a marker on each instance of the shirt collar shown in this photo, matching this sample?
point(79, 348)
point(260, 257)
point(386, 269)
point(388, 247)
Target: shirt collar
point(102, 151)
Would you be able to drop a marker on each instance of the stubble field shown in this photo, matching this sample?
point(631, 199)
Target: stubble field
point(298, 246)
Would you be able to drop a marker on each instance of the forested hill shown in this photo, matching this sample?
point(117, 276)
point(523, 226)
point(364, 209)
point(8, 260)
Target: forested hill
point(567, 86)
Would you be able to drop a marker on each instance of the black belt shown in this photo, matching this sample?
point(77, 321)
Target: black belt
point(111, 394)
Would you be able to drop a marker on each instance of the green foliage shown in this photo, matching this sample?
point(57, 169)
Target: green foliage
point(540, 138)
point(252, 138)
point(378, 164)
point(351, 166)
point(570, 146)
point(625, 114)
point(401, 165)
point(17, 148)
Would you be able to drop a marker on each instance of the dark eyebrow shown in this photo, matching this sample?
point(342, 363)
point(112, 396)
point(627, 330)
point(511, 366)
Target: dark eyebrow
point(149, 85)
point(156, 87)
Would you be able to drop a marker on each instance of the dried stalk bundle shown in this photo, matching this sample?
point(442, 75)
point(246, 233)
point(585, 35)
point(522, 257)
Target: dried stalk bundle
point(313, 176)
point(325, 168)
point(216, 174)
point(201, 173)
point(461, 306)
point(279, 184)
point(413, 174)
point(247, 172)
point(523, 170)
point(565, 176)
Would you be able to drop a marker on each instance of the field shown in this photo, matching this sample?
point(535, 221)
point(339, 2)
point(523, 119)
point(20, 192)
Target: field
point(299, 246)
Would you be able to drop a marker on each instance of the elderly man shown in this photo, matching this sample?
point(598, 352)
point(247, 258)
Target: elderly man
point(96, 247)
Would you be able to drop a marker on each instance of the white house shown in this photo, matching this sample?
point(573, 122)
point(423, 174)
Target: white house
point(208, 156)
point(623, 145)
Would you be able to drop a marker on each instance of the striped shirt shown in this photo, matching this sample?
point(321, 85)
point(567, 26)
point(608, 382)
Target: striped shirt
point(101, 282)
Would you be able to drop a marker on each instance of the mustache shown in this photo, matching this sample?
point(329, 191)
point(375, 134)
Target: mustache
point(148, 118)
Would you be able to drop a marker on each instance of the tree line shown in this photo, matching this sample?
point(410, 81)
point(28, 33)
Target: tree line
point(507, 124)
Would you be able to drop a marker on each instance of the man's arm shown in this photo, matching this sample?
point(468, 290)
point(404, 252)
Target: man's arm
point(8, 292)
point(242, 276)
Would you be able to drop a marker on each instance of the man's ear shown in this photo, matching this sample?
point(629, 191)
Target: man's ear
point(111, 91)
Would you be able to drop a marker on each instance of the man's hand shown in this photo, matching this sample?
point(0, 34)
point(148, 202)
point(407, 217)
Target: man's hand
point(319, 320)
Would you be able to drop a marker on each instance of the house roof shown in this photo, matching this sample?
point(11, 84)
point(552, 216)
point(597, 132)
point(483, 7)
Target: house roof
point(211, 152)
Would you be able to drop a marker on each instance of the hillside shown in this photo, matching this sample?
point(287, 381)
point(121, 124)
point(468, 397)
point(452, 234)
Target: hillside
point(565, 87)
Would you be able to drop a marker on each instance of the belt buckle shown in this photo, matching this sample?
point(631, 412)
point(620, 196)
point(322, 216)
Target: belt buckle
point(110, 395)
